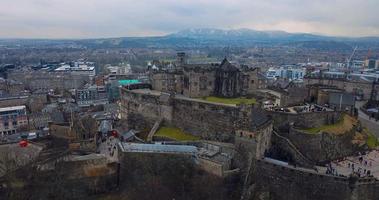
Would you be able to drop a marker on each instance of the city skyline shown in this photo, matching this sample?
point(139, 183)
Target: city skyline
point(118, 18)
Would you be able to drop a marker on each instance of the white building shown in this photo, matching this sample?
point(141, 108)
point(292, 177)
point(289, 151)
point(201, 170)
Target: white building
point(286, 72)
point(78, 68)
point(12, 118)
point(120, 70)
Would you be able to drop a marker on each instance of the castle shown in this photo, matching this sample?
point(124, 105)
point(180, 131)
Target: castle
point(223, 79)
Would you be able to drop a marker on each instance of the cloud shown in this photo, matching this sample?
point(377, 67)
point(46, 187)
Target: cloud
point(112, 18)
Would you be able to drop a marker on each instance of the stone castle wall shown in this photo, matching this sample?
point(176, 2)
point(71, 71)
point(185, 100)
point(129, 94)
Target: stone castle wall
point(208, 120)
point(198, 84)
point(291, 152)
point(277, 182)
point(322, 147)
point(305, 120)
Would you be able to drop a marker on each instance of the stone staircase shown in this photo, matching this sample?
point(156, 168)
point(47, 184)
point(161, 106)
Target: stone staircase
point(155, 128)
point(300, 157)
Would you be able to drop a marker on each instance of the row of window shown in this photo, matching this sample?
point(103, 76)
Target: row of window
point(6, 124)
point(10, 132)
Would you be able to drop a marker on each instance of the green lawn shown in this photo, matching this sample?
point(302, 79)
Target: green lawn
point(240, 100)
point(345, 124)
point(372, 141)
point(175, 134)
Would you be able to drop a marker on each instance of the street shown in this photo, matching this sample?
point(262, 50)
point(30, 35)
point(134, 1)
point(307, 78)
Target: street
point(371, 124)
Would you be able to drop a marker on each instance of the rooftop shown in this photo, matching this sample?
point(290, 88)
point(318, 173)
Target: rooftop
point(147, 91)
point(79, 68)
point(12, 108)
point(158, 148)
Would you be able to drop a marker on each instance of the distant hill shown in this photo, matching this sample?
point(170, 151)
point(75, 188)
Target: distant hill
point(246, 34)
point(207, 37)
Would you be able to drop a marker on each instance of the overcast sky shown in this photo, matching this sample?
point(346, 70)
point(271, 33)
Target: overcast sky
point(113, 18)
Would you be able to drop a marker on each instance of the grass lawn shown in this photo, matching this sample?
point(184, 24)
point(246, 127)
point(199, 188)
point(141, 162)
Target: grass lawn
point(240, 100)
point(175, 134)
point(338, 128)
point(372, 141)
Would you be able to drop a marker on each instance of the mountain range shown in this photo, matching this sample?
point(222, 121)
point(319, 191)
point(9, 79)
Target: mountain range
point(206, 37)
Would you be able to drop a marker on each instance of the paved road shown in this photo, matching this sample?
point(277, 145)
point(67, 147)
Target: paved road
point(371, 124)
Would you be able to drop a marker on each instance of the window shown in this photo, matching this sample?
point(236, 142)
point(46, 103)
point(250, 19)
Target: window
point(252, 81)
point(203, 83)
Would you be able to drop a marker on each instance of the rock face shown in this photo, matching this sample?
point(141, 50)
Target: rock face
point(12, 156)
point(323, 147)
point(65, 179)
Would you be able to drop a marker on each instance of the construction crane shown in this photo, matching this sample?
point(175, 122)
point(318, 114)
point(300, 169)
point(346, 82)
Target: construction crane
point(368, 54)
point(348, 61)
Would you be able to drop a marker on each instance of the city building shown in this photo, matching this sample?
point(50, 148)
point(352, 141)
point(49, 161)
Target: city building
point(43, 80)
point(363, 84)
point(79, 69)
point(123, 69)
point(286, 72)
point(11, 119)
point(372, 64)
point(91, 95)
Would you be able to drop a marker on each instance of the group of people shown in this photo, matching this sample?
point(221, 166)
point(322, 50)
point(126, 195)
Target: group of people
point(331, 170)
point(360, 167)
point(111, 147)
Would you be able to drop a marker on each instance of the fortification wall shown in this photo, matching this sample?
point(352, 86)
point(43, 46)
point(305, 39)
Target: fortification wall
point(305, 120)
point(284, 148)
point(210, 121)
point(143, 110)
point(277, 182)
point(323, 146)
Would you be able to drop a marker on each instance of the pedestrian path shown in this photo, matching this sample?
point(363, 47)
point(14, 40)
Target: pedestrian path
point(109, 148)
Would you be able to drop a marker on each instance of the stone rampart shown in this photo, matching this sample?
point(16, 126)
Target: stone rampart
point(322, 147)
point(306, 119)
point(211, 121)
point(275, 181)
point(282, 144)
